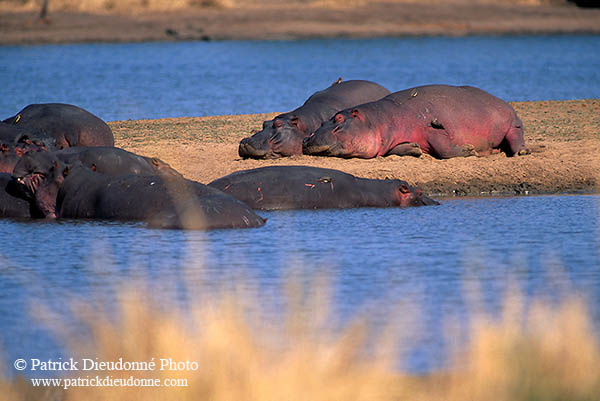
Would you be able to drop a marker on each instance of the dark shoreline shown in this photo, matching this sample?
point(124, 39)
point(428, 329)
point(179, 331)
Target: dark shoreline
point(376, 20)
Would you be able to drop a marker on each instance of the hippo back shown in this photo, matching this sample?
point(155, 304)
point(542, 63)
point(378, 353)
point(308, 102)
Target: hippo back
point(69, 125)
point(339, 96)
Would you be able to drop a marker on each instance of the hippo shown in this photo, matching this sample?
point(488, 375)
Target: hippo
point(115, 161)
point(10, 154)
point(303, 187)
point(65, 124)
point(441, 120)
point(74, 191)
point(11, 134)
point(283, 135)
point(12, 204)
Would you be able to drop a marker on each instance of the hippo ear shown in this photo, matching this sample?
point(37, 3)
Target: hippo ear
point(339, 118)
point(93, 167)
point(4, 147)
point(19, 152)
point(404, 188)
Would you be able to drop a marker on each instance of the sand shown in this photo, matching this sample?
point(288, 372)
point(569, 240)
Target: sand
point(564, 137)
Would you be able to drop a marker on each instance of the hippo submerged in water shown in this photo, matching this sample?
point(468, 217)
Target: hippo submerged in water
point(64, 124)
point(441, 120)
point(302, 187)
point(58, 190)
point(283, 135)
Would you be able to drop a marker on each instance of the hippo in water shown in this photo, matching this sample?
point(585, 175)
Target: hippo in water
point(441, 120)
point(12, 204)
point(10, 154)
point(302, 187)
point(115, 161)
point(58, 190)
point(64, 124)
point(283, 135)
point(11, 134)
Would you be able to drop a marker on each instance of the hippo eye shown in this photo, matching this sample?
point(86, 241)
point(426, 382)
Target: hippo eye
point(278, 124)
point(339, 118)
point(404, 189)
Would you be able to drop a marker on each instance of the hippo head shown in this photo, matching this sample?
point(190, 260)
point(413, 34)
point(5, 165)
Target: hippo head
point(279, 137)
point(10, 154)
point(39, 177)
point(407, 195)
point(164, 169)
point(346, 134)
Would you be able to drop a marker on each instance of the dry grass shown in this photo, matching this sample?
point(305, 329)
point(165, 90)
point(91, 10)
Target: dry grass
point(535, 353)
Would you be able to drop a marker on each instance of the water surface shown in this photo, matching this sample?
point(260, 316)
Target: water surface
point(376, 257)
point(155, 80)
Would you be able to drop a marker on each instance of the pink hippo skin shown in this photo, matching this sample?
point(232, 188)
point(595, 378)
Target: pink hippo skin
point(441, 120)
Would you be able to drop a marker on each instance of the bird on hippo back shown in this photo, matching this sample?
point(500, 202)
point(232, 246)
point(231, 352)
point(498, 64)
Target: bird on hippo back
point(283, 135)
point(67, 125)
point(441, 120)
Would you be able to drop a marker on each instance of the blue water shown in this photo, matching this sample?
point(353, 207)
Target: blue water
point(376, 257)
point(153, 80)
point(548, 246)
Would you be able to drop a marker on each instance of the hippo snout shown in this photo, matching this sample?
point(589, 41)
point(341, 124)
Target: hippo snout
point(427, 201)
point(311, 145)
point(248, 150)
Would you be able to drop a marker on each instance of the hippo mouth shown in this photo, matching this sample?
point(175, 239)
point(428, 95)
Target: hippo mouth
point(248, 151)
point(317, 150)
point(30, 183)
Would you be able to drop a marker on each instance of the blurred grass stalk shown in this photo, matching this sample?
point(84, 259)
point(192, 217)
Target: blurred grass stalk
point(540, 352)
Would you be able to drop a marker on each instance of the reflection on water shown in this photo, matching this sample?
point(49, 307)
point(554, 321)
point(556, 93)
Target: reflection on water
point(375, 256)
point(154, 80)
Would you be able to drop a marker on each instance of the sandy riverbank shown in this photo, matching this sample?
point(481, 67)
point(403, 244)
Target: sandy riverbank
point(565, 137)
point(294, 19)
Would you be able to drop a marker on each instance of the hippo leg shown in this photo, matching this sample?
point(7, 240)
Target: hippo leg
point(406, 149)
point(516, 142)
point(443, 147)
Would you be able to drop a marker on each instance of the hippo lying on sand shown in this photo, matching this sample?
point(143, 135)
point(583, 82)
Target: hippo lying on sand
point(62, 191)
point(65, 124)
point(283, 135)
point(301, 187)
point(440, 120)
